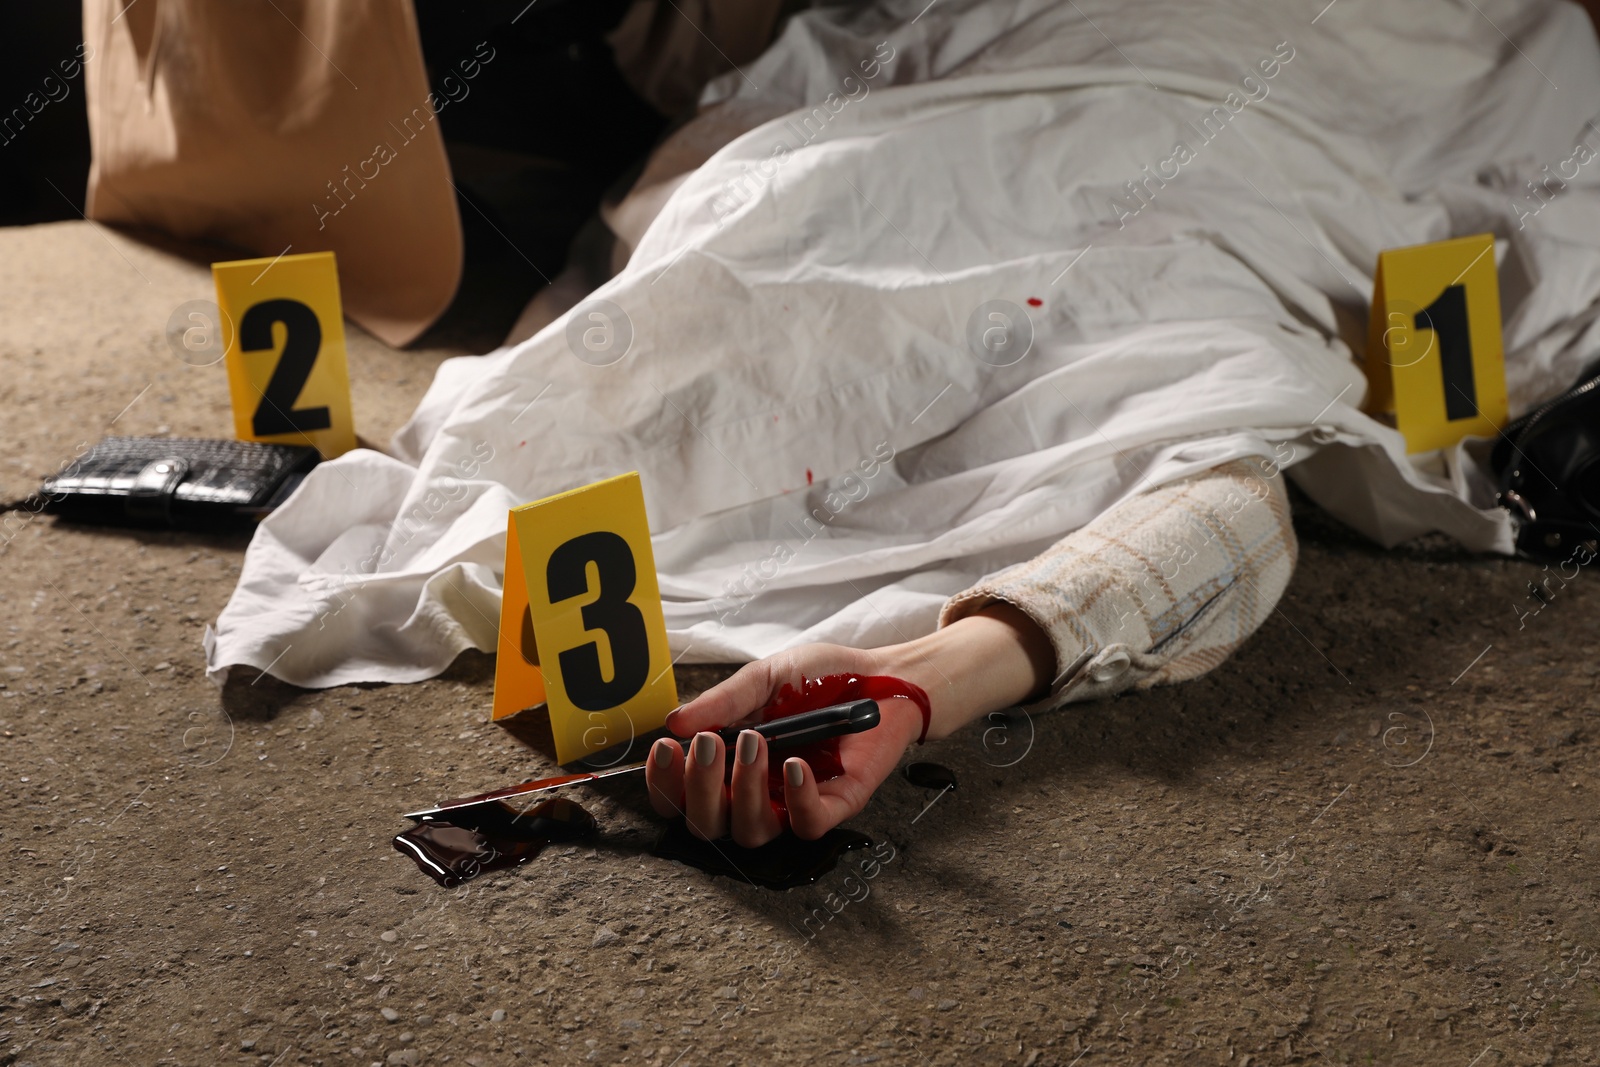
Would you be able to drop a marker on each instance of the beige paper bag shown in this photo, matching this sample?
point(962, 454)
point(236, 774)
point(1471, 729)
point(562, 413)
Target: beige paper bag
point(280, 126)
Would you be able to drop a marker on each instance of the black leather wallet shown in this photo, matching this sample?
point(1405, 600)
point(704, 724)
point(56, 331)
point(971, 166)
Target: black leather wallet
point(176, 482)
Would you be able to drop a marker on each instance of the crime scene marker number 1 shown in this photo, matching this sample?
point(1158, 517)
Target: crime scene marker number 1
point(1435, 358)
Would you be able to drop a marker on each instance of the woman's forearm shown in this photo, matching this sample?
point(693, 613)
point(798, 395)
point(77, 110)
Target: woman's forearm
point(994, 659)
point(1123, 586)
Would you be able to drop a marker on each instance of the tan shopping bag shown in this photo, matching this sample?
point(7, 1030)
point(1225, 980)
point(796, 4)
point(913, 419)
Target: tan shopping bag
point(280, 126)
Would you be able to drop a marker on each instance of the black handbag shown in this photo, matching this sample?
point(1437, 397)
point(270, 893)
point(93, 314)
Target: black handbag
point(1547, 464)
point(184, 482)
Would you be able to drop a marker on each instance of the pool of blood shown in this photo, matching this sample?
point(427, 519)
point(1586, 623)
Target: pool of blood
point(814, 693)
point(930, 776)
point(782, 863)
point(458, 845)
point(461, 844)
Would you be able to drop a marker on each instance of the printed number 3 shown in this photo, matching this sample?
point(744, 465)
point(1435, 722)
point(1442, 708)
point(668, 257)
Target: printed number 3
point(567, 576)
point(302, 341)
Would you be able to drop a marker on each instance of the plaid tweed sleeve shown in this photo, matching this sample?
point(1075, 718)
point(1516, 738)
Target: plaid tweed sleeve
point(1161, 588)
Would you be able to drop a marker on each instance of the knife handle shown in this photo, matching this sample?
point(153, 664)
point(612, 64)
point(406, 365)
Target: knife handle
point(809, 727)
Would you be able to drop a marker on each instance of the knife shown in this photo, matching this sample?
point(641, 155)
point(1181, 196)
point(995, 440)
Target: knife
point(791, 731)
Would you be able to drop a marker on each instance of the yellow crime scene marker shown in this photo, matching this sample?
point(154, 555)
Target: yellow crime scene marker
point(1435, 357)
point(581, 625)
point(287, 371)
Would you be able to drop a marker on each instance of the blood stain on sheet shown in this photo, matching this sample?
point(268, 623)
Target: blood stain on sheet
point(1034, 302)
point(808, 476)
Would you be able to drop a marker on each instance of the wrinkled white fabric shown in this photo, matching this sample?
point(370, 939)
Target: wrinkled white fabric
point(802, 318)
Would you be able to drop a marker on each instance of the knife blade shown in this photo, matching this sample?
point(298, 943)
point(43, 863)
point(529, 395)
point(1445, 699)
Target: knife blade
point(789, 732)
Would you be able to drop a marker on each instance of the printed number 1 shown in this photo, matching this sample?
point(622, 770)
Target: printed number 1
point(1447, 318)
point(302, 341)
point(567, 576)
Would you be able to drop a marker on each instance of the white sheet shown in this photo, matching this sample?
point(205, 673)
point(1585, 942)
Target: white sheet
point(797, 322)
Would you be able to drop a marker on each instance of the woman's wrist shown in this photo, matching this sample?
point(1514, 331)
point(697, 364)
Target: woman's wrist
point(994, 659)
point(902, 715)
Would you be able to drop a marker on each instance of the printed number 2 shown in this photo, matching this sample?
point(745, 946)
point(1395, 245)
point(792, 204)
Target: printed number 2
point(276, 413)
point(610, 612)
point(1447, 318)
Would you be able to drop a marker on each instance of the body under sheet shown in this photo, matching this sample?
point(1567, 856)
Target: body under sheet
point(1184, 205)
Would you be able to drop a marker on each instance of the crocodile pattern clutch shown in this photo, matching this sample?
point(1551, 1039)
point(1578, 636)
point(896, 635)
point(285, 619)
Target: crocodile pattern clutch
point(176, 481)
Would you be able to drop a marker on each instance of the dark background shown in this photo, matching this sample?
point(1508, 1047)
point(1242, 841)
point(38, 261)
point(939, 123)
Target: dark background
point(556, 103)
point(53, 148)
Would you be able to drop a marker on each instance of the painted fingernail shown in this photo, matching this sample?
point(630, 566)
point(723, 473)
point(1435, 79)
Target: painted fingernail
point(663, 754)
point(747, 747)
point(705, 749)
point(795, 771)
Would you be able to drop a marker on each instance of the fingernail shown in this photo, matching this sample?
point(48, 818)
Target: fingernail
point(795, 771)
point(705, 749)
point(747, 747)
point(663, 754)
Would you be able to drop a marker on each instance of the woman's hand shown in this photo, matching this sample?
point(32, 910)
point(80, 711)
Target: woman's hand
point(978, 664)
point(692, 783)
